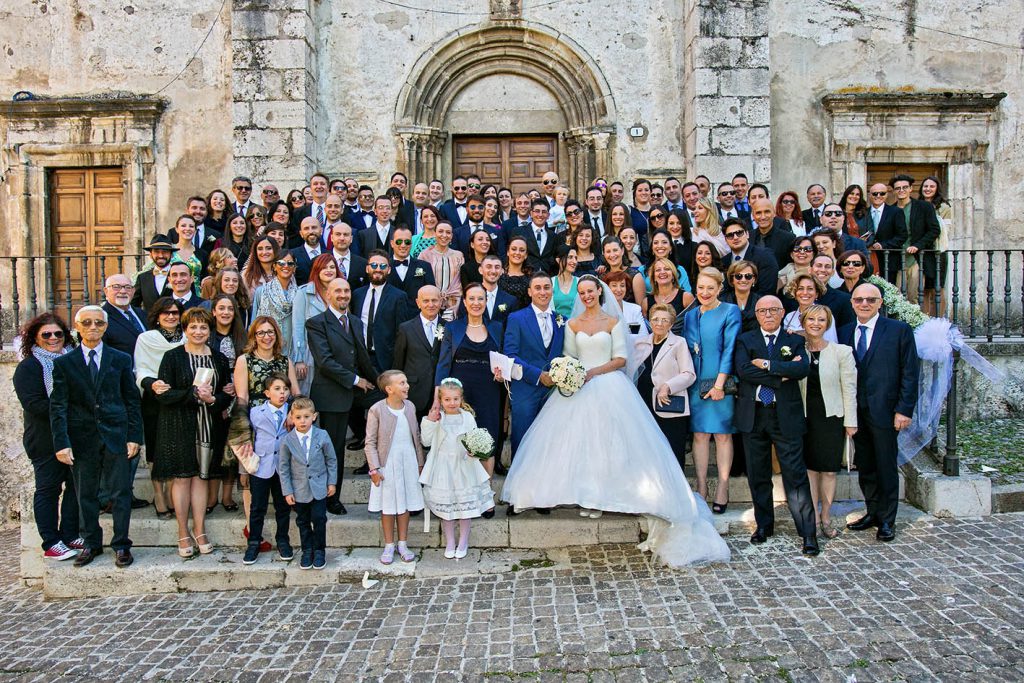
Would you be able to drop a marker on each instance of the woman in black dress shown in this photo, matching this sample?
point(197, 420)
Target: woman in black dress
point(479, 246)
point(516, 278)
point(228, 337)
point(465, 355)
point(44, 339)
point(188, 422)
point(830, 402)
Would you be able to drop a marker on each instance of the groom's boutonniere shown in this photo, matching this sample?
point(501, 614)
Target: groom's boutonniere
point(502, 308)
point(439, 332)
point(786, 352)
point(560, 321)
point(419, 272)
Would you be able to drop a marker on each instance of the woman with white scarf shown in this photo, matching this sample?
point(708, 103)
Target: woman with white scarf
point(276, 297)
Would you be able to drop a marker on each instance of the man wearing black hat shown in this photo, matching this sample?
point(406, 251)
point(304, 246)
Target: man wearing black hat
point(151, 284)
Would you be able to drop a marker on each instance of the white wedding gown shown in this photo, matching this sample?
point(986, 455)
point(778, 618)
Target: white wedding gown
point(601, 449)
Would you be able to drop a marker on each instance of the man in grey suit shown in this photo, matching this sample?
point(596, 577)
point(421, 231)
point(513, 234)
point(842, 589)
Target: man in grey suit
point(308, 468)
point(344, 376)
point(417, 348)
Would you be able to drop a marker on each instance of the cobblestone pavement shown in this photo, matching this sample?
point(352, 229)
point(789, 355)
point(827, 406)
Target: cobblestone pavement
point(944, 602)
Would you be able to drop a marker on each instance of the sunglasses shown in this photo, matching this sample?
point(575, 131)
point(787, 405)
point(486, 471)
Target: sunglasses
point(831, 213)
point(459, 188)
point(243, 188)
point(657, 216)
point(601, 185)
point(865, 299)
point(789, 201)
point(475, 186)
point(734, 234)
point(549, 182)
point(858, 264)
point(574, 213)
point(59, 334)
point(90, 322)
point(269, 191)
point(743, 276)
point(380, 266)
point(727, 193)
point(804, 250)
point(475, 207)
point(402, 242)
point(285, 264)
point(171, 311)
point(879, 194)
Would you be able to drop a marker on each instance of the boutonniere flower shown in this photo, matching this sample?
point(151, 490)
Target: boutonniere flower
point(502, 308)
point(696, 349)
point(419, 272)
point(560, 321)
point(786, 352)
point(494, 235)
point(439, 332)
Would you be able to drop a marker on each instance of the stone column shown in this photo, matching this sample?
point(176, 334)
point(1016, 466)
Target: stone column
point(727, 83)
point(274, 90)
point(419, 152)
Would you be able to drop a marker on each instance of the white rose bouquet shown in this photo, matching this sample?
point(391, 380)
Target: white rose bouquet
point(568, 375)
point(478, 443)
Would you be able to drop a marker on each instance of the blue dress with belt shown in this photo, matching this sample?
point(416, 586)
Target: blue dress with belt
point(711, 337)
point(470, 363)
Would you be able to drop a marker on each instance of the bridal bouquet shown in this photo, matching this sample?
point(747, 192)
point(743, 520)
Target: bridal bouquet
point(478, 443)
point(568, 375)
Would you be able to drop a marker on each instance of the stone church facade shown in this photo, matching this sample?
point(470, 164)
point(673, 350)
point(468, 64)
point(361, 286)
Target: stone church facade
point(789, 93)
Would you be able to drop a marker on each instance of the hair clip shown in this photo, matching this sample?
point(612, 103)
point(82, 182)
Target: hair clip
point(452, 381)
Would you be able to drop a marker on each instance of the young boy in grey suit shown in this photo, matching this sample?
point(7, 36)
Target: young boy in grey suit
point(307, 464)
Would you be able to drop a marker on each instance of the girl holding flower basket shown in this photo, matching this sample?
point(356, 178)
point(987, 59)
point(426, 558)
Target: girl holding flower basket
point(455, 484)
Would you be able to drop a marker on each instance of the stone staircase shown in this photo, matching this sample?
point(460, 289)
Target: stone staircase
point(354, 540)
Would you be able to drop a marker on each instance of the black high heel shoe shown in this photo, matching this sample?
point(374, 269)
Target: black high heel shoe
point(719, 508)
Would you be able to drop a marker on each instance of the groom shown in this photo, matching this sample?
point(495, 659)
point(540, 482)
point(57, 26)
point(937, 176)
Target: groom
point(533, 338)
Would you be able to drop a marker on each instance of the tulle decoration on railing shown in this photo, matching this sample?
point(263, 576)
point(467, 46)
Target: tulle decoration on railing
point(936, 339)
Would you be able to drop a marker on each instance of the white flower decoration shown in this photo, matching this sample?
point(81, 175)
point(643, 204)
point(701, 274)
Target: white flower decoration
point(785, 352)
point(439, 332)
point(419, 272)
point(502, 307)
point(560, 321)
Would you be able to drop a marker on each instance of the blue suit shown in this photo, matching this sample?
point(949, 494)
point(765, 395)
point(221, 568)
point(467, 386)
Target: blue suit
point(525, 345)
point(887, 383)
point(450, 212)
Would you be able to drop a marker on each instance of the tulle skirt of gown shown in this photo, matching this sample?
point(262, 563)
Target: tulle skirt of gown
point(601, 449)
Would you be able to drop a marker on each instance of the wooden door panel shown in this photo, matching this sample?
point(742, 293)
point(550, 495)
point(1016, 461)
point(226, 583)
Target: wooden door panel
point(107, 209)
point(70, 211)
point(515, 162)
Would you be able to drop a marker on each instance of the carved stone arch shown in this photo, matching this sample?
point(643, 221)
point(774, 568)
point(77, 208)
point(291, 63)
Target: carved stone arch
point(524, 49)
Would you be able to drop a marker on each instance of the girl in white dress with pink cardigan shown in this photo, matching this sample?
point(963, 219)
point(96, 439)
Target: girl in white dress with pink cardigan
point(395, 458)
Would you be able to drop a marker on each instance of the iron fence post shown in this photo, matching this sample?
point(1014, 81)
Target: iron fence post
point(951, 461)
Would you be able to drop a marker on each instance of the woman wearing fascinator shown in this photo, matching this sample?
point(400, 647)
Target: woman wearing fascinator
point(600, 448)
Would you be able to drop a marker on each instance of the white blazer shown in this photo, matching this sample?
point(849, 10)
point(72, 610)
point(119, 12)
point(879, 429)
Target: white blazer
point(673, 366)
point(837, 371)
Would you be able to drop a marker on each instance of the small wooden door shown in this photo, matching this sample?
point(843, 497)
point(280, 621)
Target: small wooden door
point(87, 220)
point(516, 162)
point(883, 173)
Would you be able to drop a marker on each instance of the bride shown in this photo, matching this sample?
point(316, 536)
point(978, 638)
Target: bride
point(615, 458)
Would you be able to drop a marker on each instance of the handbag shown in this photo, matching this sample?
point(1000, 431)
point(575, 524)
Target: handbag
point(731, 385)
point(676, 404)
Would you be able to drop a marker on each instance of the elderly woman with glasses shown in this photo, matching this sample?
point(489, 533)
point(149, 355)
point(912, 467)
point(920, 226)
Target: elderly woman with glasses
point(277, 297)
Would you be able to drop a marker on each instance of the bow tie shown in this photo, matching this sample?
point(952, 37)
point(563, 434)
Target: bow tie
point(158, 271)
point(404, 262)
point(460, 203)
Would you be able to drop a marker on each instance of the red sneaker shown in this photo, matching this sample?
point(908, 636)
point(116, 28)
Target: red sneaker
point(59, 551)
point(265, 546)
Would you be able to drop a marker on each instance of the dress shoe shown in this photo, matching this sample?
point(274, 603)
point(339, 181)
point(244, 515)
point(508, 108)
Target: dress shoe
point(886, 532)
point(356, 445)
point(86, 556)
point(123, 558)
point(336, 509)
point(107, 509)
point(811, 546)
point(865, 522)
point(762, 534)
point(362, 469)
point(500, 469)
point(543, 511)
point(487, 514)
point(138, 503)
point(510, 511)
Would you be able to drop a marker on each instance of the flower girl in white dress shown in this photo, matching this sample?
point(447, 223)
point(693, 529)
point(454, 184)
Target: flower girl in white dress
point(455, 485)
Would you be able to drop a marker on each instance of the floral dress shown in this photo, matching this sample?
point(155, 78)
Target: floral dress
point(259, 371)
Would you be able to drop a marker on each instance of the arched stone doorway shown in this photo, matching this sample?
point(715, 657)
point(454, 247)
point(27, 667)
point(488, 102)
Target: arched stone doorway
point(586, 110)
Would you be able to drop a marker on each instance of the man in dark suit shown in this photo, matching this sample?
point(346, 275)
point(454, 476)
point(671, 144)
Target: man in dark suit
point(463, 234)
point(884, 227)
point(406, 214)
point(407, 274)
point(887, 377)
point(310, 232)
point(180, 280)
point(205, 237)
point(351, 266)
point(540, 239)
point(770, 412)
point(362, 217)
point(594, 215)
point(454, 210)
point(738, 238)
point(727, 206)
point(124, 322)
point(834, 218)
point(520, 217)
point(343, 378)
point(319, 185)
point(816, 196)
point(151, 284)
point(417, 347)
point(770, 232)
point(96, 418)
point(378, 235)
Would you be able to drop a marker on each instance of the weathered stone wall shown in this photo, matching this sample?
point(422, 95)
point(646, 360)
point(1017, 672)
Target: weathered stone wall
point(15, 468)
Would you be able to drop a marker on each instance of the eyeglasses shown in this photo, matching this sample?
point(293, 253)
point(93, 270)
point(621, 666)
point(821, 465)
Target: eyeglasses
point(858, 264)
point(601, 185)
point(399, 243)
point(93, 322)
point(865, 299)
point(380, 266)
point(171, 312)
point(901, 188)
point(789, 201)
point(573, 213)
point(743, 276)
point(657, 216)
point(735, 234)
point(459, 188)
point(121, 288)
point(804, 250)
point(777, 310)
point(879, 194)
point(474, 207)
point(59, 334)
point(549, 182)
point(266, 333)
point(831, 213)
point(475, 186)
point(243, 188)
point(285, 264)
point(727, 193)
point(657, 195)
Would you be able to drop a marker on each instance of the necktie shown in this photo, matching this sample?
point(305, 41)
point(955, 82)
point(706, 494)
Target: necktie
point(344, 322)
point(94, 369)
point(596, 221)
point(320, 216)
point(134, 322)
point(369, 320)
point(341, 268)
point(767, 394)
point(817, 214)
point(862, 342)
point(523, 224)
point(305, 447)
point(430, 332)
point(538, 232)
point(280, 418)
point(876, 216)
point(545, 328)
point(490, 303)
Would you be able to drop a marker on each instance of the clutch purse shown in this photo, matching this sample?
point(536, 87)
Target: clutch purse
point(676, 404)
point(707, 385)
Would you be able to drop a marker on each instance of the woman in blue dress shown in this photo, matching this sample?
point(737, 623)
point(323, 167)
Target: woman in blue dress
point(711, 329)
point(465, 355)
